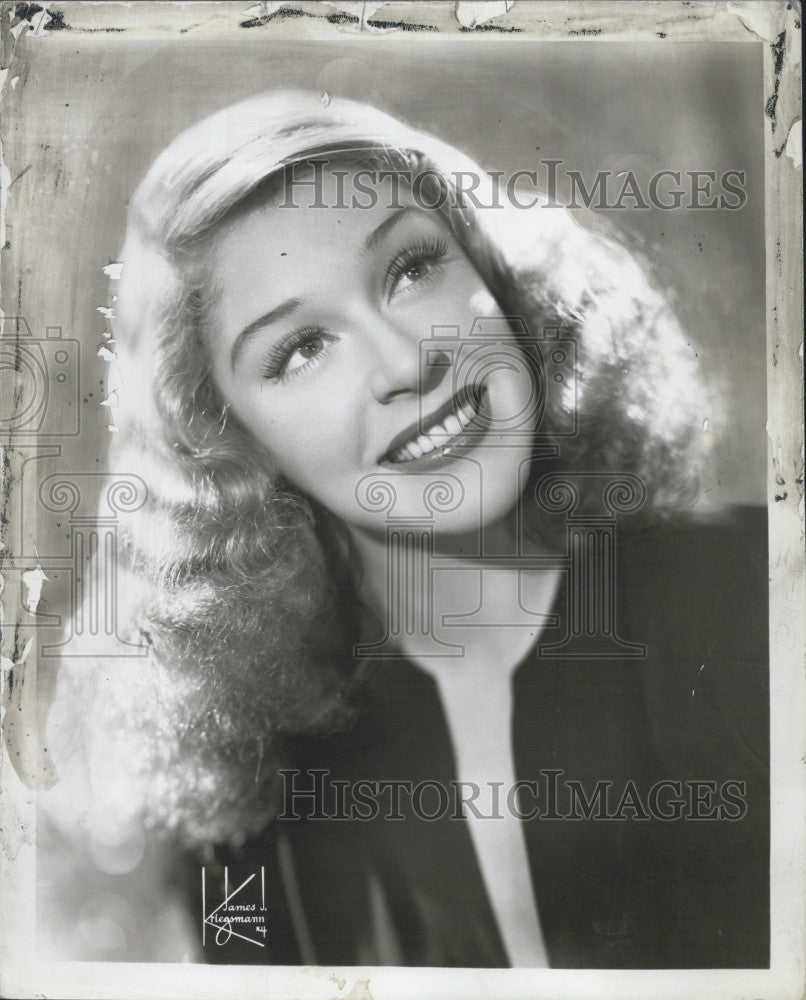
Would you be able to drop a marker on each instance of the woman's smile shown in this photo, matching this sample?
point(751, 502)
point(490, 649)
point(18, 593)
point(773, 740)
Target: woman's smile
point(453, 430)
point(329, 343)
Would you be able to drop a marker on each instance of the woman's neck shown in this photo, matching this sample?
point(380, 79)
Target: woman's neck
point(444, 588)
point(473, 548)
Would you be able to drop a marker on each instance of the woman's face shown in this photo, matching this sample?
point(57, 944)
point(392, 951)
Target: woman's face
point(326, 343)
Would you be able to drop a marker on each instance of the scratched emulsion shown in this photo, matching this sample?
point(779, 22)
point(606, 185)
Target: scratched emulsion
point(16, 707)
point(764, 21)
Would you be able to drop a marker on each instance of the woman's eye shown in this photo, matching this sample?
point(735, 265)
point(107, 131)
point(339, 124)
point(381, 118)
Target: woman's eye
point(416, 264)
point(295, 354)
point(414, 272)
point(304, 352)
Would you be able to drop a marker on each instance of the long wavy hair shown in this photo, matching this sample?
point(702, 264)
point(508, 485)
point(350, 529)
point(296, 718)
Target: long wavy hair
point(240, 587)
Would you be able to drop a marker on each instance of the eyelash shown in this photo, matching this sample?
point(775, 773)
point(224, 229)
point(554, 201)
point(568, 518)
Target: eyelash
point(426, 250)
point(274, 365)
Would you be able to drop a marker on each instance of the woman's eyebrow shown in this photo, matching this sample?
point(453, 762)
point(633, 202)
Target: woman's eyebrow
point(377, 235)
point(248, 332)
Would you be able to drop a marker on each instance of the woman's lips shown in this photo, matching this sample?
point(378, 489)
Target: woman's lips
point(460, 430)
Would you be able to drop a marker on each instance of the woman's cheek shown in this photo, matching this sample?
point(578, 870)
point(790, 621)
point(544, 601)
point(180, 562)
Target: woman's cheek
point(315, 445)
point(482, 303)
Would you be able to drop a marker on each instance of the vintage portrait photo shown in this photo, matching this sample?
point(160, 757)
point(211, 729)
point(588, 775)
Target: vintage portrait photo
point(403, 572)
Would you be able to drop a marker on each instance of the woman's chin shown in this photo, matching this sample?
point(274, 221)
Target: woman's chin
point(460, 495)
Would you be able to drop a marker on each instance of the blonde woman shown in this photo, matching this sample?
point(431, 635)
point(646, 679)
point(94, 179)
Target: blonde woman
point(372, 415)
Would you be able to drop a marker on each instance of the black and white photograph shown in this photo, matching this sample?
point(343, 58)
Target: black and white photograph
point(403, 513)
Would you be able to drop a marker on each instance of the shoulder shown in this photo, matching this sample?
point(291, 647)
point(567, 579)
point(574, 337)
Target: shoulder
point(701, 582)
point(696, 593)
point(726, 545)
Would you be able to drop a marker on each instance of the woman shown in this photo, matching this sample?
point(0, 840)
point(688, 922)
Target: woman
point(385, 428)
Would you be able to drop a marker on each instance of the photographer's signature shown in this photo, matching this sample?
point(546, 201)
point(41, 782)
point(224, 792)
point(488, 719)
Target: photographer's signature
point(241, 913)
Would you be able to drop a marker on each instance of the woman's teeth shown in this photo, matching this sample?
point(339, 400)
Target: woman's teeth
point(438, 436)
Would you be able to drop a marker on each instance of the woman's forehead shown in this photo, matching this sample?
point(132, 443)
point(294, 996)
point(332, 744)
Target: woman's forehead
point(320, 211)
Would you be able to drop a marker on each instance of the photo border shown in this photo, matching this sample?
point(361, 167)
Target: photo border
point(776, 27)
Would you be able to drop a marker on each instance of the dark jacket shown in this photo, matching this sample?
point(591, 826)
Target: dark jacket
point(637, 883)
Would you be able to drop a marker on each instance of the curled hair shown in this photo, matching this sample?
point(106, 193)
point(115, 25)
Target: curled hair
point(239, 586)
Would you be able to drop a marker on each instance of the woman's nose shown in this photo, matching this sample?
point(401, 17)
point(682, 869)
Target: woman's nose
point(401, 363)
